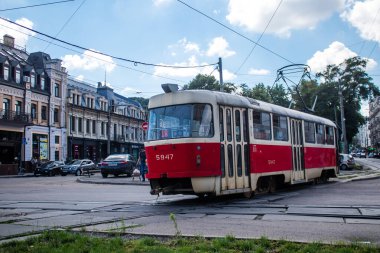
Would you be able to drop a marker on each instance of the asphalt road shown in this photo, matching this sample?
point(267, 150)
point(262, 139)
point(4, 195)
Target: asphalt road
point(342, 211)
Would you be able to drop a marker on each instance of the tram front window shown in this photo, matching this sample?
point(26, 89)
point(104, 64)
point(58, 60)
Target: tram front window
point(180, 121)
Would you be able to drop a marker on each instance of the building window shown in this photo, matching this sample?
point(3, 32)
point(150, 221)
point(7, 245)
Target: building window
point(44, 112)
point(57, 139)
point(87, 126)
point(72, 123)
point(94, 127)
point(80, 129)
point(6, 72)
point(42, 83)
point(6, 105)
point(33, 111)
point(33, 80)
point(102, 128)
point(18, 107)
point(56, 115)
point(56, 90)
point(18, 75)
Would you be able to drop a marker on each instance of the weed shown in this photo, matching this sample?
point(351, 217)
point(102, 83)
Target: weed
point(173, 218)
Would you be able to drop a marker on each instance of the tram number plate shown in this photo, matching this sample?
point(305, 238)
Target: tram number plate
point(164, 157)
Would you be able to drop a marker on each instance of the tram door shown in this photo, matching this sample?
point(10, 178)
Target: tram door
point(234, 148)
point(298, 172)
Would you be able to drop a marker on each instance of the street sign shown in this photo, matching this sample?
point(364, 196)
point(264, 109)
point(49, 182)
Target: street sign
point(144, 126)
point(23, 141)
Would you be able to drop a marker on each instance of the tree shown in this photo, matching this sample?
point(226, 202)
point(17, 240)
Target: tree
point(206, 82)
point(279, 95)
point(356, 86)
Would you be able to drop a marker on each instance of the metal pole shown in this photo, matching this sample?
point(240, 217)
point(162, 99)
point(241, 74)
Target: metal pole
point(342, 119)
point(109, 129)
point(221, 74)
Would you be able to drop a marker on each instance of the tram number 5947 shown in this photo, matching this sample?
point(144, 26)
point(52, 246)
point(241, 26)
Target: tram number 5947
point(164, 157)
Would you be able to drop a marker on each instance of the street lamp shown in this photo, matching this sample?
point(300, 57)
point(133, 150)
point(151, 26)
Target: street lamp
point(342, 119)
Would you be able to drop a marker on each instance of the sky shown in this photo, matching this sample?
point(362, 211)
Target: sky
point(254, 38)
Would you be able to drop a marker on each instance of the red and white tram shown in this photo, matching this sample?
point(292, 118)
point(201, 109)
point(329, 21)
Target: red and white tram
point(207, 142)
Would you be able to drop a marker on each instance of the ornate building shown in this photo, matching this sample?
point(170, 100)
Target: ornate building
point(32, 107)
point(374, 122)
point(99, 119)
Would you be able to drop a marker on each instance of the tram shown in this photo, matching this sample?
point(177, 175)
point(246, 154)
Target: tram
point(212, 143)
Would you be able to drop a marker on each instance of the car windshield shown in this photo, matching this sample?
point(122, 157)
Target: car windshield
point(116, 157)
point(48, 164)
point(75, 162)
point(180, 121)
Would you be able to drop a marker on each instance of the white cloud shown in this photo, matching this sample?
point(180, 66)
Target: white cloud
point(254, 15)
point(364, 16)
point(184, 46)
point(20, 34)
point(192, 72)
point(261, 72)
point(161, 2)
point(336, 53)
point(219, 47)
point(88, 61)
point(80, 78)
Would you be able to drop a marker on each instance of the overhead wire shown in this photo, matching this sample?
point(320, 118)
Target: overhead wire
point(94, 57)
point(108, 55)
point(234, 31)
point(65, 24)
point(258, 40)
point(36, 5)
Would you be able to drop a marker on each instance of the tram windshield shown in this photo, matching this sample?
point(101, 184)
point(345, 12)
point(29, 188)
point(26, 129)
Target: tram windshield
point(180, 121)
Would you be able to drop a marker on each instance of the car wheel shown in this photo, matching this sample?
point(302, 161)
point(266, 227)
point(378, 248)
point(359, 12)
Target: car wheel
point(343, 167)
point(78, 172)
point(104, 175)
point(36, 174)
point(116, 175)
point(63, 174)
point(50, 173)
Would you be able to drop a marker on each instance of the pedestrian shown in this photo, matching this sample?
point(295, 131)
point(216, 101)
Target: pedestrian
point(33, 161)
point(142, 161)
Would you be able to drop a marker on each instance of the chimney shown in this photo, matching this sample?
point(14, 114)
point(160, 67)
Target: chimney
point(9, 41)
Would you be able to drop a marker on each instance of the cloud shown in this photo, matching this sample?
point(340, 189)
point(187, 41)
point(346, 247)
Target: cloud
point(364, 16)
point(80, 78)
point(88, 61)
point(254, 15)
point(192, 72)
point(161, 2)
point(336, 53)
point(219, 47)
point(261, 72)
point(20, 34)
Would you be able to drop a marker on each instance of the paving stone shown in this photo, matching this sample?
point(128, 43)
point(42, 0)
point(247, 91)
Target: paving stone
point(272, 217)
point(7, 230)
point(370, 211)
point(323, 211)
point(363, 221)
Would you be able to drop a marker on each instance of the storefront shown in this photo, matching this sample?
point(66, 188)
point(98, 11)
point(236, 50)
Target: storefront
point(40, 148)
point(10, 152)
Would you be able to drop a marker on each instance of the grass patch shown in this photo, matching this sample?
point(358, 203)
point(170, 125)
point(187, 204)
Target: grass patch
point(63, 241)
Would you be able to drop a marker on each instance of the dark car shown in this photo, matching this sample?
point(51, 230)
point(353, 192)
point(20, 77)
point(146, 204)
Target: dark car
point(118, 164)
point(78, 167)
point(50, 168)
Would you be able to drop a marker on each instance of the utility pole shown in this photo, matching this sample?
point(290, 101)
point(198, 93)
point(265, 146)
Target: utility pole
point(109, 128)
point(342, 119)
point(220, 74)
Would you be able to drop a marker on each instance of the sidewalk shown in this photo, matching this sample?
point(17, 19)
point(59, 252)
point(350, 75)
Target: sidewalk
point(120, 180)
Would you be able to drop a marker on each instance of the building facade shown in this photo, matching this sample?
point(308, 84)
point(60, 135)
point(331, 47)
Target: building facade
point(32, 107)
point(102, 122)
point(374, 122)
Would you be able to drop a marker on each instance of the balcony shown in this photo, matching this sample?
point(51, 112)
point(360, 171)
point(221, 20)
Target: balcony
point(13, 117)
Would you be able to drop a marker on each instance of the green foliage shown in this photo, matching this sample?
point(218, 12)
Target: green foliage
point(205, 82)
point(143, 101)
point(173, 218)
point(61, 241)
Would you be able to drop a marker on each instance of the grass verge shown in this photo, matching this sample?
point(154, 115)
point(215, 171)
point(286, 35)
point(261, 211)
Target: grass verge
point(63, 241)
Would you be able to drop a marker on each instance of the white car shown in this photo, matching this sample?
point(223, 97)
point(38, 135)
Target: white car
point(346, 161)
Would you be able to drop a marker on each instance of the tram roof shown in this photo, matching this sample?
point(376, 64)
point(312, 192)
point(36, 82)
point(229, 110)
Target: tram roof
point(233, 100)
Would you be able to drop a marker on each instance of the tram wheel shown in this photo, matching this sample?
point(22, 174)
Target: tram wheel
point(272, 185)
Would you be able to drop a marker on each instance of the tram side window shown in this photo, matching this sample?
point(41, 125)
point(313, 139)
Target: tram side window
point(329, 135)
point(237, 126)
point(320, 132)
point(262, 125)
point(221, 124)
point(280, 128)
point(309, 132)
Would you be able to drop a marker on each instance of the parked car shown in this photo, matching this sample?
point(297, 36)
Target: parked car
point(346, 161)
point(50, 168)
point(362, 155)
point(118, 164)
point(78, 167)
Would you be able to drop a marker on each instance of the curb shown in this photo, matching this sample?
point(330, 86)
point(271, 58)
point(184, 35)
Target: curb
point(137, 182)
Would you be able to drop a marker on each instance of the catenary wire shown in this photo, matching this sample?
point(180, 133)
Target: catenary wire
point(119, 65)
point(36, 5)
point(108, 55)
point(258, 40)
point(232, 30)
point(65, 24)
